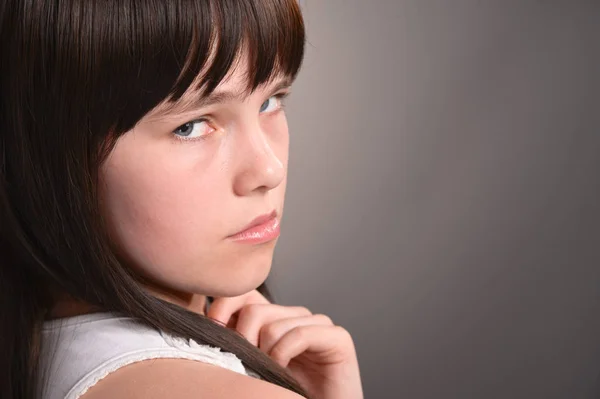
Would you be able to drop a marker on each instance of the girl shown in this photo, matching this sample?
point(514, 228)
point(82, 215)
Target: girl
point(143, 156)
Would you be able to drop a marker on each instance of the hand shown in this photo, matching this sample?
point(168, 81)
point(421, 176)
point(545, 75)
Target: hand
point(319, 355)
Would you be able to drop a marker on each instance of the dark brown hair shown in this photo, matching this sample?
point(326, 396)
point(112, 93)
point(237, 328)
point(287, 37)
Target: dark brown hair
point(74, 76)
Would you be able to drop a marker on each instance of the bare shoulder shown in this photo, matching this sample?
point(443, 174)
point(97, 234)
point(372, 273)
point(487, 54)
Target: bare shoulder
point(182, 379)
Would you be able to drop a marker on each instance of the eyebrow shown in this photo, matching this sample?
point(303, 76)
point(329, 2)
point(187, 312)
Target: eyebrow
point(219, 97)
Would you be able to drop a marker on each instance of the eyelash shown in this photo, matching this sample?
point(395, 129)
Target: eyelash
point(280, 96)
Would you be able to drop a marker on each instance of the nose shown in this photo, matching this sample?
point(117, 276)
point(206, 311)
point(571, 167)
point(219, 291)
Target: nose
point(259, 168)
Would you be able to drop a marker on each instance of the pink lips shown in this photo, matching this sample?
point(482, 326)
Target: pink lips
point(262, 229)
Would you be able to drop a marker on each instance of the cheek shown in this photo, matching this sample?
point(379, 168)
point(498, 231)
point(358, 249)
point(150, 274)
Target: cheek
point(279, 138)
point(163, 207)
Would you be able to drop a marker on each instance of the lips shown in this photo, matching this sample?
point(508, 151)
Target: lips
point(257, 222)
point(263, 229)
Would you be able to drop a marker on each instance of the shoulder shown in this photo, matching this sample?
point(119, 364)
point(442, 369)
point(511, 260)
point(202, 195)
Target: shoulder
point(182, 379)
point(79, 353)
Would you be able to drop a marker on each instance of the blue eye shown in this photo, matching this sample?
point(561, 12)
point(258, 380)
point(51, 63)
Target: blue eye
point(194, 129)
point(272, 104)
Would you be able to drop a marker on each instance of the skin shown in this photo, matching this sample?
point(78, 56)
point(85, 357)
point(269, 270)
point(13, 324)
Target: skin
point(173, 201)
point(173, 204)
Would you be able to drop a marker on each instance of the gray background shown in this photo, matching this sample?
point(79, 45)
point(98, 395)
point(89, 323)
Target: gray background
point(443, 200)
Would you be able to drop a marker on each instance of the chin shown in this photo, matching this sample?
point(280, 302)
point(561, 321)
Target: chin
point(243, 275)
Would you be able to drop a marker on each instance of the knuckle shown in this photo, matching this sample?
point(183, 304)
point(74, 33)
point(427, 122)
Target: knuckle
point(324, 318)
point(344, 334)
point(269, 332)
point(252, 310)
point(303, 310)
point(298, 333)
point(278, 352)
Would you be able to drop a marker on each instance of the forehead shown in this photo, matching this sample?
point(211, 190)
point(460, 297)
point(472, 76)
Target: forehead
point(236, 79)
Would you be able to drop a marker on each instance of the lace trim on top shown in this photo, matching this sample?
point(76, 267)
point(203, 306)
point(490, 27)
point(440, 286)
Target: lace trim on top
point(179, 349)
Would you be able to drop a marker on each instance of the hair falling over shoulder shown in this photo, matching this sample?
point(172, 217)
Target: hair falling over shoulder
point(74, 76)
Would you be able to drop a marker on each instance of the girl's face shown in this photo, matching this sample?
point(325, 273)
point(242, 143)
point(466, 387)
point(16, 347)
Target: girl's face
point(182, 183)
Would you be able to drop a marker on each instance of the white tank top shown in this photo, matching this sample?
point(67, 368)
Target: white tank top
point(79, 351)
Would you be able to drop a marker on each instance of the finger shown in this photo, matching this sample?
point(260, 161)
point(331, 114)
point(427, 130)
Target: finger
point(326, 344)
point(252, 318)
point(271, 333)
point(223, 308)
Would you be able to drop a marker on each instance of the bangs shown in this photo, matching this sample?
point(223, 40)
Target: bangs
point(181, 45)
point(118, 59)
point(194, 44)
point(270, 33)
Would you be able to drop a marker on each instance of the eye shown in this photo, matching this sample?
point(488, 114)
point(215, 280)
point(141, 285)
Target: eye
point(194, 130)
point(273, 103)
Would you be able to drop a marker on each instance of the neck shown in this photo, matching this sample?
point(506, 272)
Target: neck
point(66, 306)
